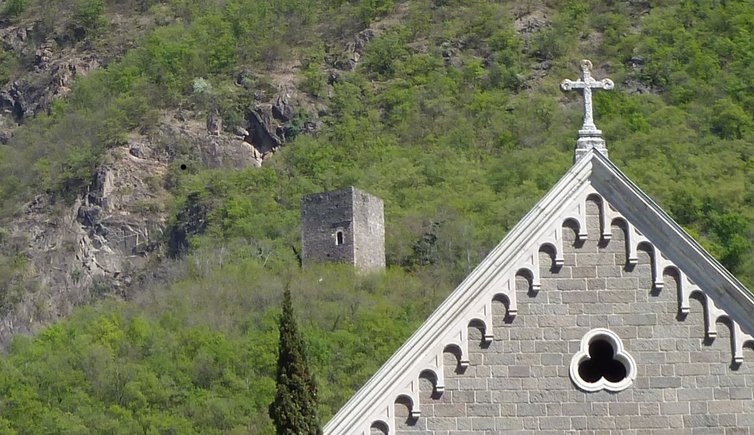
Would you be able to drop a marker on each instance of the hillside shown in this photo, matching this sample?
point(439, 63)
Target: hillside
point(153, 156)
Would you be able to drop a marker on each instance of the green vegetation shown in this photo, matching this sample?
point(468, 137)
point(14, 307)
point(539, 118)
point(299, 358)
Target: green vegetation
point(452, 116)
point(294, 409)
point(200, 357)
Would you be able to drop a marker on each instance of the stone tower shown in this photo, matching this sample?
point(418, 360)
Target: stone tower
point(343, 226)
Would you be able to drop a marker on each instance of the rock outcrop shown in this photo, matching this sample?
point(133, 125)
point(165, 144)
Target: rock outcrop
point(101, 243)
point(104, 242)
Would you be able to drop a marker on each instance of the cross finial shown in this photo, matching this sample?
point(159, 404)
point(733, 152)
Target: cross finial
point(589, 135)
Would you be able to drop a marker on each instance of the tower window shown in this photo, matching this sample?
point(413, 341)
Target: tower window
point(338, 238)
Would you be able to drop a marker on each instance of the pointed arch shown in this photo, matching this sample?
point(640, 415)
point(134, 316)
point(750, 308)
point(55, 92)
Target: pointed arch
point(555, 257)
point(379, 427)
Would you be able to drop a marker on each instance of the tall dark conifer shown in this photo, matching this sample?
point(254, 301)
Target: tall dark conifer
point(294, 410)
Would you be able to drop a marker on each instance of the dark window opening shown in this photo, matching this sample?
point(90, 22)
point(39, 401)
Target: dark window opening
point(339, 238)
point(601, 364)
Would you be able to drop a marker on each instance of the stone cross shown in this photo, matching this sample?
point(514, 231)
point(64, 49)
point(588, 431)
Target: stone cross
point(589, 135)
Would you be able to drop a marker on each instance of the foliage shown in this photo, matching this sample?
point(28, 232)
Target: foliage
point(451, 115)
point(189, 360)
point(14, 8)
point(88, 16)
point(294, 409)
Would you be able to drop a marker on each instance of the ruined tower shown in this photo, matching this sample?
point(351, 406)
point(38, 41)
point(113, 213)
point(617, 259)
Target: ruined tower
point(343, 226)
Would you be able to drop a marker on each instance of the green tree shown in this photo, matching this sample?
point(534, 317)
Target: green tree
point(14, 8)
point(294, 410)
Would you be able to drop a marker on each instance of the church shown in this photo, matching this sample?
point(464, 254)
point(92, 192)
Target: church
point(597, 313)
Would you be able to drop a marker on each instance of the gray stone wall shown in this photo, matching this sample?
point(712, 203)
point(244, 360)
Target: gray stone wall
point(322, 216)
point(355, 213)
point(369, 234)
point(519, 383)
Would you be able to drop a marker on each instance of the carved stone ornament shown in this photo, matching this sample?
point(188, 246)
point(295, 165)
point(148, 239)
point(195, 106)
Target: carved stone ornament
point(589, 135)
point(590, 360)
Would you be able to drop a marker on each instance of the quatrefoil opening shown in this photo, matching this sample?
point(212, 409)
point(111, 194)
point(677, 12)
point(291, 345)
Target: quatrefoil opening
point(602, 363)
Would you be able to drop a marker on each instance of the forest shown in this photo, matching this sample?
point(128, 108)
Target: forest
point(453, 115)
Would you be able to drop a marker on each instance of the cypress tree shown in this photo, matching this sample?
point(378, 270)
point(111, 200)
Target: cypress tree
point(294, 410)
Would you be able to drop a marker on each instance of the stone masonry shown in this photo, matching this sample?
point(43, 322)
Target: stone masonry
point(519, 382)
point(343, 226)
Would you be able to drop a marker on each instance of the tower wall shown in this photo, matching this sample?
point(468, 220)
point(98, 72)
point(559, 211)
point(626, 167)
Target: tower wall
point(343, 226)
point(369, 231)
point(323, 215)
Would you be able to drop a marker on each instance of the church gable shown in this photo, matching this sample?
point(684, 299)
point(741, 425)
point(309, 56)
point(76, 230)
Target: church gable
point(595, 270)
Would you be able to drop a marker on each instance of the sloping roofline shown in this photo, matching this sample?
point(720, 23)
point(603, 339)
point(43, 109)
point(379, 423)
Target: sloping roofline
point(593, 172)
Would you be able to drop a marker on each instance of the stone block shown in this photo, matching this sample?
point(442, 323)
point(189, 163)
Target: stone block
point(675, 421)
point(609, 271)
point(507, 409)
point(557, 321)
point(554, 409)
point(483, 410)
point(620, 408)
point(545, 395)
point(673, 408)
point(472, 383)
point(649, 408)
point(584, 272)
point(745, 420)
point(596, 284)
point(548, 347)
point(649, 422)
point(598, 308)
point(530, 409)
point(580, 297)
point(617, 296)
point(570, 284)
point(576, 409)
point(642, 319)
point(741, 393)
point(600, 423)
point(724, 407)
point(453, 410)
point(578, 423)
point(650, 358)
point(508, 424)
point(510, 396)
point(700, 420)
point(664, 382)
point(554, 423)
point(668, 370)
point(440, 423)
point(600, 259)
point(727, 419)
point(691, 369)
point(555, 358)
point(483, 423)
point(482, 397)
point(531, 423)
point(707, 355)
point(525, 334)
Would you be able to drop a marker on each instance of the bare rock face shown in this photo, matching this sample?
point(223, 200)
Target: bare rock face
point(100, 244)
point(353, 50)
point(220, 150)
point(272, 124)
point(214, 123)
point(266, 133)
point(54, 70)
point(451, 53)
point(93, 246)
